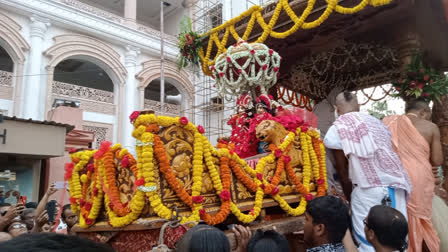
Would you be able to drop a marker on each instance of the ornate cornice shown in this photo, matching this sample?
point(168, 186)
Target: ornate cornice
point(81, 20)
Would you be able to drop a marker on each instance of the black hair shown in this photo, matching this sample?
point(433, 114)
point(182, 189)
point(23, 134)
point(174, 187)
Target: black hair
point(31, 205)
point(202, 238)
point(267, 241)
point(51, 210)
point(333, 213)
point(26, 212)
point(48, 242)
point(348, 96)
point(390, 226)
point(4, 204)
point(416, 104)
point(65, 207)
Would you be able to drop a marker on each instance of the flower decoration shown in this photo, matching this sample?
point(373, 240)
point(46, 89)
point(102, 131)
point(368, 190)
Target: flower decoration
point(134, 116)
point(183, 120)
point(421, 82)
point(125, 161)
point(73, 150)
point(287, 159)
point(309, 197)
point(197, 199)
point(201, 129)
point(189, 44)
point(225, 195)
point(234, 72)
point(278, 153)
point(139, 182)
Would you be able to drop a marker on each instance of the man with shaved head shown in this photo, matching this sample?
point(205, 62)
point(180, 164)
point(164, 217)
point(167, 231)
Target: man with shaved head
point(366, 162)
point(417, 142)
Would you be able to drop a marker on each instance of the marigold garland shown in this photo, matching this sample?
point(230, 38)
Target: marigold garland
point(255, 13)
point(102, 181)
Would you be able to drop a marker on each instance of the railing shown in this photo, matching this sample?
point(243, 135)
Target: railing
point(75, 91)
point(5, 78)
point(114, 18)
point(170, 109)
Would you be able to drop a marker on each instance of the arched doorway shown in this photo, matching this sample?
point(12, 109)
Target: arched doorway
point(173, 98)
point(103, 77)
point(82, 83)
point(6, 82)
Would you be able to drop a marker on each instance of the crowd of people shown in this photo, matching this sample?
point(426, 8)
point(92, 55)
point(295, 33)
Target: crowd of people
point(43, 217)
point(384, 168)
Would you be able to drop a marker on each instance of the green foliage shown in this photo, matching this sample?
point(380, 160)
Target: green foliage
point(380, 110)
point(421, 82)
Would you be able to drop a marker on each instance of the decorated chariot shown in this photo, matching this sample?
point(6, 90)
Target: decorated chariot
point(270, 166)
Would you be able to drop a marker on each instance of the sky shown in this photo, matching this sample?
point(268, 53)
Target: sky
point(394, 104)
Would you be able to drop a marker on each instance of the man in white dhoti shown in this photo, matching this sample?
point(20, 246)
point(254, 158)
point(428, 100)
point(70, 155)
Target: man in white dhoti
point(374, 169)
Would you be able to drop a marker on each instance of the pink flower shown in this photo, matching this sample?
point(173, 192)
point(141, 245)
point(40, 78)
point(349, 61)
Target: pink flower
point(412, 84)
point(259, 176)
point(139, 182)
point(197, 199)
point(252, 212)
point(228, 59)
point(72, 150)
point(201, 129)
point(276, 69)
point(278, 74)
point(221, 74)
point(111, 205)
point(304, 128)
point(202, 212)
point(265, 67)
point(68, 170)
point(287, 159)
point(278, 153)
point(252, 51)
point(90, 167)
point(431, 81)
point(421, 85)
point(225, 195)
point(95, 191)
point(134, 116)
point(424, 94)
point(240, 71)
point(309, 197)
point(426, 77)
point(320, 181)
point(183, 120)
point(82, 202)
point(89, 221)
point(280, 108)
point(275, 191)
point(88, 206)
point(125, 161)
point(271, 51)
point(262, 186)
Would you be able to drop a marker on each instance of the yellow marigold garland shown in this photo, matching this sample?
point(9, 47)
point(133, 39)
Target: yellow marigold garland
point(255, 13)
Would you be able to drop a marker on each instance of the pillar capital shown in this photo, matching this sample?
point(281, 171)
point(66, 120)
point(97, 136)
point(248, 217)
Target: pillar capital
point(130, 57)
point(39, 26)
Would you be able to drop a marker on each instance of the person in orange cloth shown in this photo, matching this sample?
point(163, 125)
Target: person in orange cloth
point(417, 142)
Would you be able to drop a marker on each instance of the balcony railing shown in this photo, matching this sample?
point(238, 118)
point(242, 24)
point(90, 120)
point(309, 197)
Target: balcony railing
point(114, 18)
point(5, 78)
point(80, 92)
point(170, 109)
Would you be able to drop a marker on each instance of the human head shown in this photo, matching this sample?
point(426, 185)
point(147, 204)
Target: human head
point(68, 216)
point(327, 220)
point(4, 236)
point(346, 102)
point(17, 228)
point(202, 238)
point(386, 227)
point(52, 242)
point(31, 205)
point(420, 108)
point(28, 215)
point(264, 241)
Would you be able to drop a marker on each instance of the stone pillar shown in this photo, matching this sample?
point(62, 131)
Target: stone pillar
point(407, 44)
point(130, 12)
point(34, 89)
point(131, 97)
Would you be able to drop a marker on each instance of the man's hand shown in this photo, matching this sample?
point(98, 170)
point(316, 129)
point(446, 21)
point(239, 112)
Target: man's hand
point(14, 211)
point(51, 190)
point(242, 236)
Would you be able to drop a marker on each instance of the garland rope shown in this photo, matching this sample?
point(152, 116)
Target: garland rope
point(255, 14)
